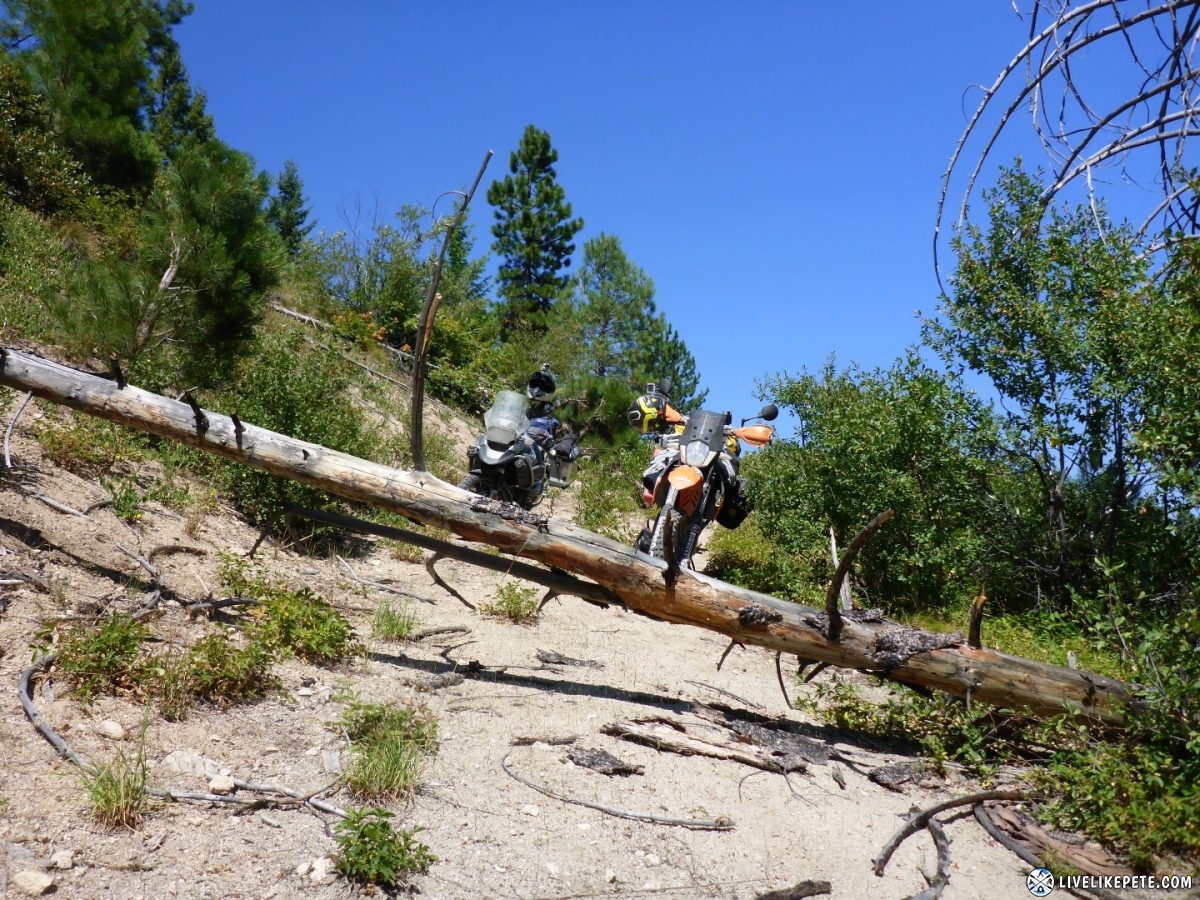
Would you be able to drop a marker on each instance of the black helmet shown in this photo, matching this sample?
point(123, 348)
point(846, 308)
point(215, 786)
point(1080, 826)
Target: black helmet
point(664, 387)
point(542, 386)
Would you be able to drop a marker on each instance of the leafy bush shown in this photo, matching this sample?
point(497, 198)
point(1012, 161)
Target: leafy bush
point(512, 601)
point(106, 659)
point(287, 386)
point(86, 445)
point(608, 495)
point(372, 851)
point(746, 557)
point(295, 621)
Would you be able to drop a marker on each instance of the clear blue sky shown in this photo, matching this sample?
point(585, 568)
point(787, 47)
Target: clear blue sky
point(774, 167)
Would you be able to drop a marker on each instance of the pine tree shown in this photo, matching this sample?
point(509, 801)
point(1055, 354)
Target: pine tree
point(286, 210)
point(177, 113)
point(533, 231)
point(90, 60)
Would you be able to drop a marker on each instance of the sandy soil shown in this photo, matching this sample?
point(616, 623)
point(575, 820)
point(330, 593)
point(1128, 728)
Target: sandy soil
point(494, 836)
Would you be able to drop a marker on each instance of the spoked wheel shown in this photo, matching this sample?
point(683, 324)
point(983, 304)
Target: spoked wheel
point(661, 531)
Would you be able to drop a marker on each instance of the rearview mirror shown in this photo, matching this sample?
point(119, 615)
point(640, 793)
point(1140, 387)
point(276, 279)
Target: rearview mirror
point(769, 412)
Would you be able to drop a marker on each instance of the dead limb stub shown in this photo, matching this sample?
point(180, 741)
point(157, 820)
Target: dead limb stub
point(619, 574)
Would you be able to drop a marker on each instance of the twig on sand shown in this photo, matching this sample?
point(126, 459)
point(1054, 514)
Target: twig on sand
point(720, 823)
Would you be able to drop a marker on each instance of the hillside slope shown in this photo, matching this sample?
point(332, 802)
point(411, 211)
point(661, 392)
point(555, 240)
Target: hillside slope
point(521, 695)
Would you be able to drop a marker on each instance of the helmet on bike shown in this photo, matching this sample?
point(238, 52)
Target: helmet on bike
point(542, 386)
point(648, 413)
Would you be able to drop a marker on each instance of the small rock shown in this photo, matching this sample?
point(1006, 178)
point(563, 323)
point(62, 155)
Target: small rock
point(322, 870)
point(62, 859)
point(653, 859)
point(610, 877)
point(222, 785)
point(304, 692)
point(530, 810)
point(111, 730)
point(267, 820)
point(552, 869)
point(303, 869)
point(185, 762)
point(32, 883)
point(331, 762)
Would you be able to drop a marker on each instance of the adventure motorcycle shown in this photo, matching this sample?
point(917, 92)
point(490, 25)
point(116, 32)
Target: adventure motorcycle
point(694, 480)
point(515, 458)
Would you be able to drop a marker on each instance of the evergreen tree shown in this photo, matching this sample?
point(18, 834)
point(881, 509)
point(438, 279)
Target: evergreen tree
point(90, 60)
point(177, 113)
point(533, 231)
point(286, 210)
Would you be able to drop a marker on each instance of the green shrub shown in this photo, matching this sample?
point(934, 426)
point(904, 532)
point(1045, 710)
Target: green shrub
point(512, 601)
point(87, 445)
point(372, 851)
point(608, 493)
point(746, 557)
point(287, 386)
point(106, 659)
point(295, 621)
point(223, 674)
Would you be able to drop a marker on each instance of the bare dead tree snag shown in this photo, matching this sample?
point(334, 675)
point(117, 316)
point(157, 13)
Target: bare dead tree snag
point(867, 642)
point(974, 638)
point(1134, 123)
point(831, 595)
point(425, 326)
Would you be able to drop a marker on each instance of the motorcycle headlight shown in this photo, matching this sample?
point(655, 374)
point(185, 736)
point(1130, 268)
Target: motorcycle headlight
point(695, 453)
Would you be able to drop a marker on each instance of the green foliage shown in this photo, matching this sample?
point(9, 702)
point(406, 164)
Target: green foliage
point(514, 602)
point(116, 790)
point(36, 171)
point(533, 231)
point(392, 624)
point(90, 60)
point(908, 439)
point(372, 851)
point(389, 745)
point(286, 212)
point(747, 557)
point(609, 496)
point(106, 659)
point(86, 445)
point(293, 621)
point(219, 672)
point(31, 266)
point(126, 499)
point(285, 385)
point(1048, 308)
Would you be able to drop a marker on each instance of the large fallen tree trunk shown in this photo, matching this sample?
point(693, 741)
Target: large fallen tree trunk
point(938, 661)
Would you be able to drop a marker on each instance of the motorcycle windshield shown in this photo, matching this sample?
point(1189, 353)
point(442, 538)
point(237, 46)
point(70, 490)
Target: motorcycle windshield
point(707, 428)
point(506, 418)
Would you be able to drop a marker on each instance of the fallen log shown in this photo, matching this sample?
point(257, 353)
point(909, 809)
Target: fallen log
point(867, 643)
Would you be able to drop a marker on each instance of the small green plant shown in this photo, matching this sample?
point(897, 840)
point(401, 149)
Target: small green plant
point(224, 674)
point(296, 621)
point(88, 446)
point(513, 602)
point(372, 851)
point(107, 659)
point(388, 746)
point(126, 499)
point(392, 624)
point(116, 790)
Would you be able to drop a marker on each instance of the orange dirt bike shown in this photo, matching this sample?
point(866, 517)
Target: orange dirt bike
point(694, 479)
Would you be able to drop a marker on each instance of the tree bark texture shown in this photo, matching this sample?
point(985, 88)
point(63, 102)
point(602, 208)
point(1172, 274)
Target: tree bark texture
point(871, 644)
